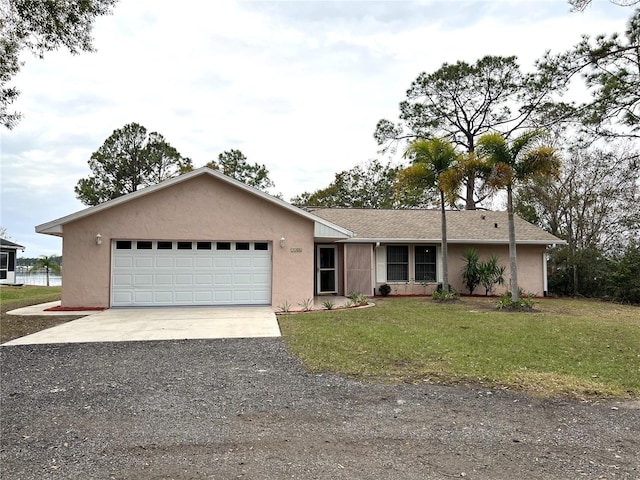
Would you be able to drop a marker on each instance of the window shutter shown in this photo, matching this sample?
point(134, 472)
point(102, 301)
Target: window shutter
point(381, 264)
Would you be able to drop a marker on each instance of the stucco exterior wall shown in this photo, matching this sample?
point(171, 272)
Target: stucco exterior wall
point(530, 270)
point(530, 267)
point(201, 208)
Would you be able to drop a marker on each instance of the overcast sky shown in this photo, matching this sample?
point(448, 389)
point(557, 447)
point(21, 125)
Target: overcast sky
point(298, 86)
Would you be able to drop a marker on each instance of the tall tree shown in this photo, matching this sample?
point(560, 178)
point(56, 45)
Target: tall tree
point(128, 160)
point(580, 5)
point(234, 164)
point(48, 264)
point(366, 185)
point(463, 101)
point(430, 160)
point(41, 26)
point(610, 68)
point(594, 204)
point(513, 164)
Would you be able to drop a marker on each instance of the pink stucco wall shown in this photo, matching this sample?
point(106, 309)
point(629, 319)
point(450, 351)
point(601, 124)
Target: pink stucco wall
point(530, 270)
point(201, 208)
point(530, 267)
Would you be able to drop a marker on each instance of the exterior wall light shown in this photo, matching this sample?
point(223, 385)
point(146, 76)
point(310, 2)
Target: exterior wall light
point(98, 239)
point(282, 242)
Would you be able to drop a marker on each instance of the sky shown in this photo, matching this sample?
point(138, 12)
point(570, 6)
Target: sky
point(295, 85)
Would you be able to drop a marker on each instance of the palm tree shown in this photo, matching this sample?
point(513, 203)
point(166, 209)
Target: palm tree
point(514, 164)
point(48, 263)
point(430, 159)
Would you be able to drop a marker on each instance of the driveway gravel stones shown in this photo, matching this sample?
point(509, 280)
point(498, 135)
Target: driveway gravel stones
point(244, 408)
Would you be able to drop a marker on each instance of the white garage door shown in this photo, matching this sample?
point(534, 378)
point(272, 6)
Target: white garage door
point(154, 273)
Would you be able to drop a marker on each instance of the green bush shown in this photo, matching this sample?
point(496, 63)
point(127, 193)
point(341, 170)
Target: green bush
point(385, 289)
point(524, 302)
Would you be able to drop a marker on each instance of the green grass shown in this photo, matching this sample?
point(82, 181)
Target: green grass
point(565, 347)
point(13, 326)
point(16, 297)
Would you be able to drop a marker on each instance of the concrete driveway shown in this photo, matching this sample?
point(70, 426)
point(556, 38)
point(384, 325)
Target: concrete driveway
point(169, 323)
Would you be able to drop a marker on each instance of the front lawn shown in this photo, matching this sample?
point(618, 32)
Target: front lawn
point(573, 347)
point(13, 326)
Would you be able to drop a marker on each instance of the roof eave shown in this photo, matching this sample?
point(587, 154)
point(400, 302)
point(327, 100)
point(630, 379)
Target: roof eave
point(55, 227)
point(452, 241)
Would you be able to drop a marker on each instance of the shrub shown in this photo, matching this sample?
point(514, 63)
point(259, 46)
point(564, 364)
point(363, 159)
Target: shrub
point(490, 273)
point(285, 307)
point(470, 270)
point(358, 299)
point(328, 304)
point(306, 304)
point(439, 295)
point(385, 289)
point(525, 302)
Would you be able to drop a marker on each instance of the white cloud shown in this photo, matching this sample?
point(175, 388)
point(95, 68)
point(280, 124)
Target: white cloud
point(296, 85)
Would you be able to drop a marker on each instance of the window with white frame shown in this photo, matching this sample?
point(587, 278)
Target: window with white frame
point(425, 263)
point(397, 263)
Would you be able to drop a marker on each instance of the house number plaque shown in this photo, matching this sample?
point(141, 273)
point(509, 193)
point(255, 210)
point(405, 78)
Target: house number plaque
point(296, 250)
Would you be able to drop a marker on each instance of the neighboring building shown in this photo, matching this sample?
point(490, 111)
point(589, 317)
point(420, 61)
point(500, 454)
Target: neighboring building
point(206, 239)
point(8, 251)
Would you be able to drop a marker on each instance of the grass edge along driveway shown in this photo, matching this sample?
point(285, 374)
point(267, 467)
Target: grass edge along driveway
point(583, 349)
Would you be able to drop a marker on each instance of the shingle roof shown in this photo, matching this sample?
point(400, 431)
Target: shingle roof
point(477, 226)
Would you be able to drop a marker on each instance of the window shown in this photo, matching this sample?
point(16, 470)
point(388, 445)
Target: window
point(242, 245)
point(204, 246)
point(144, 245)
point(425, 263)
point(4, 264)
point(261, 246)
point(123, 245)
point(185, 246)
point(165, 245)
point(223, 246)
point(397, 263)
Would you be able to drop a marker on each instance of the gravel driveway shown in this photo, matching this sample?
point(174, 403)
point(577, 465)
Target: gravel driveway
point(243, 408)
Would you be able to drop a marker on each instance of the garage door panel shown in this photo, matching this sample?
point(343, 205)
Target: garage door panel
point(183, 297)
point(242, 279)
point(143, 262)
point(202, 276)
point(144, 297)
point(204, 280)
point(164, 262)
point(223, 280)
point(184, 279)
point(223, 296)
point(205, 297)
point(123, 280)
point(261, 262)
point(123, 261)
point(123, 297)
point(184, 262)
point(242, 262)
point(222, 262)
point(204, 262)
point(163, 279)
point(145, 280)
point(261, 279)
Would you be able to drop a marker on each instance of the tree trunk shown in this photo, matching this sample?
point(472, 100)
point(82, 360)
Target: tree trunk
point(46, 269)
point(470, 204)
point(513, 264)
point(445, 253)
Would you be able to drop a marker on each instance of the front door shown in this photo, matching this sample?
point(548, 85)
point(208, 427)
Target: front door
point(327, 272)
